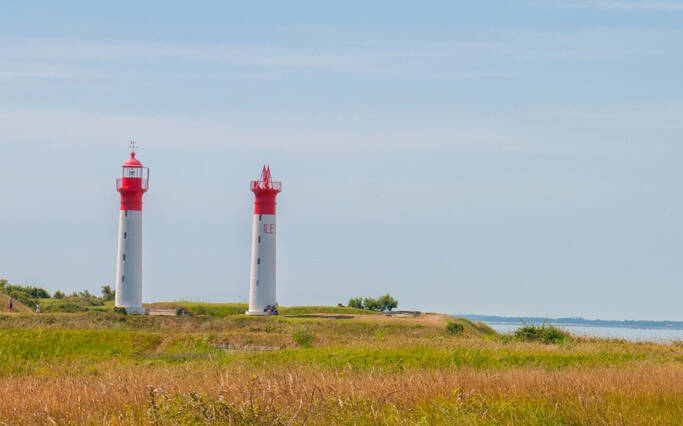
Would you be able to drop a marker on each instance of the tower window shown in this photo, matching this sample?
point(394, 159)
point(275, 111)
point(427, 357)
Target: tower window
point(123, 278)
point(258, 261)
point(260, 217)
point(126, 213)
point(259, 238)
point(125, 234)
point(124, 256)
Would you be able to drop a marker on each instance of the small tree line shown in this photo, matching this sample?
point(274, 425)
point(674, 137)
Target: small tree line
point(30, 295)
point(381, 304)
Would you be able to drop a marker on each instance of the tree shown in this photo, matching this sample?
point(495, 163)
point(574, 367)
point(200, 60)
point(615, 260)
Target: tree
point(387, 303)
point(371, 304)
point(383, 303)
point(107, 293)
point(58, 295)
point(356, 302)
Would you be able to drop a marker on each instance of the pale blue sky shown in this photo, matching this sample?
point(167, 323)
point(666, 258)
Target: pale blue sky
point(500, 157)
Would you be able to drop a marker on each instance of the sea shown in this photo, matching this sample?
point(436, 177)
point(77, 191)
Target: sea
point(635, 334)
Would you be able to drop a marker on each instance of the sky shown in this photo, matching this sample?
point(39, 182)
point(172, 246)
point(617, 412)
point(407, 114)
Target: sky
point(491, 157)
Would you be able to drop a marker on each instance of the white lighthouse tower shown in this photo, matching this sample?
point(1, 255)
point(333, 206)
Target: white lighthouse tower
point(262, 285)
point(132, 185)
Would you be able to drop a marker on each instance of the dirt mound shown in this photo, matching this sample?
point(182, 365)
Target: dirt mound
point(18, 306)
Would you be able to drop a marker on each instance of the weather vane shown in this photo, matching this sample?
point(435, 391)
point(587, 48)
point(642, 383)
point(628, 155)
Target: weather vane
point(133, 145)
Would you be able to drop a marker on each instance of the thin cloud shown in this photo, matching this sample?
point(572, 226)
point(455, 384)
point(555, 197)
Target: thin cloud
point(398, 59)
point(436, 59)
point(624, 5)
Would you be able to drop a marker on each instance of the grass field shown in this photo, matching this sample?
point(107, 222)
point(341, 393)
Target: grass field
point(221, 367)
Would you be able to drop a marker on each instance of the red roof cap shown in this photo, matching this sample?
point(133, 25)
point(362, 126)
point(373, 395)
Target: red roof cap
point(132, 161)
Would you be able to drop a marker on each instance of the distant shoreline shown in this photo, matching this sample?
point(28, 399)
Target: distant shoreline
point(577, 322)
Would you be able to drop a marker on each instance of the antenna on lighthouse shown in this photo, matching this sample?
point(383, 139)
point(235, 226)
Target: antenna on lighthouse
point(133, 145)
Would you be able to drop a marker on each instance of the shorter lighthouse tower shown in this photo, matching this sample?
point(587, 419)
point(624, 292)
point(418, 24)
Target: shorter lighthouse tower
point(262, 285)
point(132, 185)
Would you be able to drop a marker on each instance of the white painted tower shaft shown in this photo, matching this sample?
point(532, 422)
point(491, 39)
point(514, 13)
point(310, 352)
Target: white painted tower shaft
point(129, 264)
point(262, 284)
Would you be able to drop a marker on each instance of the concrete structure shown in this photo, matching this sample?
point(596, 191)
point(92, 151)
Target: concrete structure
point(132, 185)
point(262, 283)
point(168, 312)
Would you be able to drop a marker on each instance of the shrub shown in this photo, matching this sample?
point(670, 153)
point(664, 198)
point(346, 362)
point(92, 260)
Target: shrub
point(58, 295)
point(120, 310)
point(63, 305)
point(84, 298)
point(356, 302)
point(303, 339)
point(454, 328)
point(544, 333)
point(107, 293)
point(382, 304)
point(371, 304)
point(30, 291)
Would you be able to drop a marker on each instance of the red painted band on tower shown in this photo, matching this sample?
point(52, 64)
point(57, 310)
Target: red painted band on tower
point(265, 202)
point(132, 190)
point(265, 191)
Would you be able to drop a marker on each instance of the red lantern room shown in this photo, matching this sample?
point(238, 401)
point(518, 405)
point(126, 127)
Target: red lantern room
point(133, 183)
point(265, 190)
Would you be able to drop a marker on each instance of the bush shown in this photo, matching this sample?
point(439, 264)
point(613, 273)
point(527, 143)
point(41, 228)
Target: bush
point(30, 291)
point(544, 333)
point(371, 304)
point(120, 310)
point(356, 302)
point(58, 295)
point(84, 298)
point(382, 304)
point(63, 305)
point(304, 340)
point(454, 328)
point(107, 293)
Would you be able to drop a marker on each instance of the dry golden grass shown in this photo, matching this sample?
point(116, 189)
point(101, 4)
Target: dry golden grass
point(107, 369)
point(119, 394)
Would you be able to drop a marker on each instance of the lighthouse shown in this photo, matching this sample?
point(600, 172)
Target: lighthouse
point(132, 185)
point(262, 283)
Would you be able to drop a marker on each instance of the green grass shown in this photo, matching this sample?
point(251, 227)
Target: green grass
point(217, 310)
point(366, 357)
point(222, 310)
point(72, 305)
point(306, 310)
point(479, 326)
point(20, 346)
point(199, 309)
point(21, 350)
